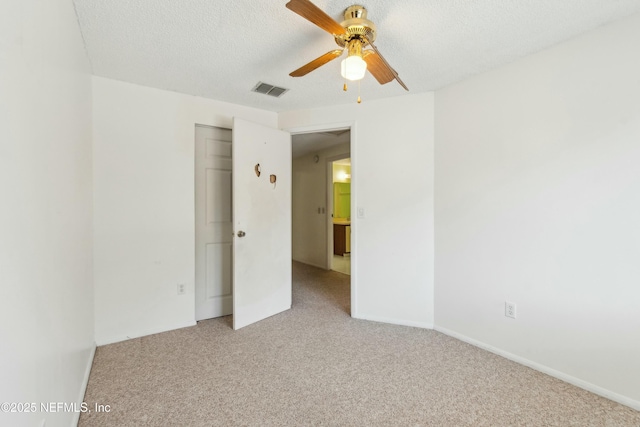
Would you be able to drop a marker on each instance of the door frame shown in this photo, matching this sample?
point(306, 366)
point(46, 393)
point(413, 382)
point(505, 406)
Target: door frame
point(352, 126)
point(329, 203)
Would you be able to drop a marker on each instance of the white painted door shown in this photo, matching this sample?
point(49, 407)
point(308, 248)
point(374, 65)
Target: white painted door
point(214, 226)
point(262, 222)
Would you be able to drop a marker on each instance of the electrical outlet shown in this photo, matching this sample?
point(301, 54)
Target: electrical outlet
point(510, 309)
point(181, 288)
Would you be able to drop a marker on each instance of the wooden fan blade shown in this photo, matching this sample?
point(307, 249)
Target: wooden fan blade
point(377, 67)
point(307, 68)
point(314, 14)
point(381, 65)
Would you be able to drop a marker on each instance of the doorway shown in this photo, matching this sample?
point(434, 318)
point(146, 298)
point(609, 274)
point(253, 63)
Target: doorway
point(313, 157)
point(339, 196)
point(248, 276)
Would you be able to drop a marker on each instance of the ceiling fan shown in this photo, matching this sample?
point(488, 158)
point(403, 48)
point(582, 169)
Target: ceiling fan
point(353, 34)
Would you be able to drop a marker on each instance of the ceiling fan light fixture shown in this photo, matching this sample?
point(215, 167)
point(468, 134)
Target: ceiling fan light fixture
point(353, 68)
point(353, 35)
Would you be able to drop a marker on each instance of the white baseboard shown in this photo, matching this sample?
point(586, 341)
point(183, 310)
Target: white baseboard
point(143, 333)
point(85, 383)
point(545, 369)
point(313, 264)
point(401, 322)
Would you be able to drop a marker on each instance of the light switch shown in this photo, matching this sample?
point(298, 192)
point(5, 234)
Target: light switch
point(360, 212)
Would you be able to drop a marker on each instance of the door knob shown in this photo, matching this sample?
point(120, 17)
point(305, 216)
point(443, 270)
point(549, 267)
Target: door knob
point(241, 233)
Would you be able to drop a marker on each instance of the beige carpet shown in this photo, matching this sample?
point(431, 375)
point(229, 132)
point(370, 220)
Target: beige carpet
point(316, 366)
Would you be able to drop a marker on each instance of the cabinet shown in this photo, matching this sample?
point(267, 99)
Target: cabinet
point(341, 239)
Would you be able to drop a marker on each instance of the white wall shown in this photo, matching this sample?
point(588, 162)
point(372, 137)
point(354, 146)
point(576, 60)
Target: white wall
point(392, 178)
point(144, 204)
point(46, 296)
point(538, 202)
point(309, 236)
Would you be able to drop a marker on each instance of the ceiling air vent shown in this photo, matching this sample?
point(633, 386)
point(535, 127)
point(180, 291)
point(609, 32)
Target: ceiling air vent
point(268, 89)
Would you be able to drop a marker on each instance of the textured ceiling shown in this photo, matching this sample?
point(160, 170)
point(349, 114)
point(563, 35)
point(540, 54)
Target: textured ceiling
point(220, 49)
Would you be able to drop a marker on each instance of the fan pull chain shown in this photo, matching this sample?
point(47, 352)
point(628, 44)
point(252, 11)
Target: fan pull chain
point(359, 100)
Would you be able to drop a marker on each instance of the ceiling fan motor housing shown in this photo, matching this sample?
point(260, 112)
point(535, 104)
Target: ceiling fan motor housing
point(357, 26)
